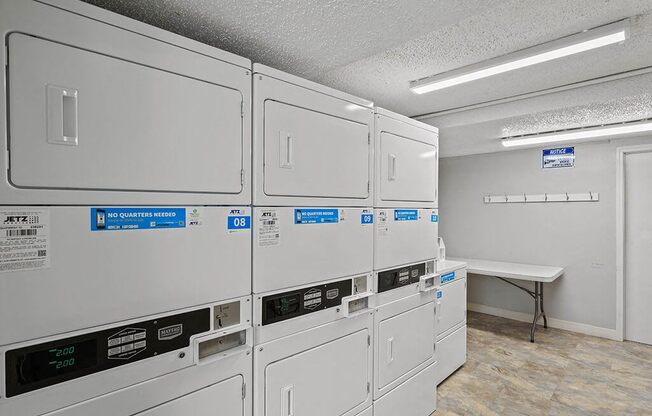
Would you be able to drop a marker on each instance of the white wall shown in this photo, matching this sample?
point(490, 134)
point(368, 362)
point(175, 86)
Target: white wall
point(580, 236)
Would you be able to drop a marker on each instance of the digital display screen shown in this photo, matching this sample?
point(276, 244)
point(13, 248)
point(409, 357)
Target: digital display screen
point(56, 361)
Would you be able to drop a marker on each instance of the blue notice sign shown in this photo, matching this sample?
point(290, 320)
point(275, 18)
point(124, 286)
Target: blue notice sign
point(316, 215)
point(445, 278)
point(563, 157)
point(406, 215)
point(440, 294)
point(136, 218)
point(434, 218)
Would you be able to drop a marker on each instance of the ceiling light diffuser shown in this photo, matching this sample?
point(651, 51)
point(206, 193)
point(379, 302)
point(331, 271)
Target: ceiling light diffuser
point(580, 134)
point(574, 44)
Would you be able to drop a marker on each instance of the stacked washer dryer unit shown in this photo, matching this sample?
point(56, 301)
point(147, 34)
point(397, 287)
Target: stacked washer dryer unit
point(312, 248)
point(405, 227)
point(450, 328)
point(124, 228)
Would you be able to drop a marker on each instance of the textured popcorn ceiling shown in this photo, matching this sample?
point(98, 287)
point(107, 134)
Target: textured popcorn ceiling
point(374, 48)
point(480, 130)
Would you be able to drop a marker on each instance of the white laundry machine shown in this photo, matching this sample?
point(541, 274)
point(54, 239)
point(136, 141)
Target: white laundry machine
point(313, 353)
point(298, 246)
point(404, 344)
point(101, 109)
point(187, 362)
point(407, 160)
point(313, 145)
point(451, 318)
point(121, 133)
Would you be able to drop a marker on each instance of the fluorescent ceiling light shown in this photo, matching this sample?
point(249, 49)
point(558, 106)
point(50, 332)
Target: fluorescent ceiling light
point(580, 134)
point(581, 42)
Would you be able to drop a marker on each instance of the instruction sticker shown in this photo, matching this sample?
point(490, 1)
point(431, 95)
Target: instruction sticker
point(316, 216)
point(440, 294)
point(563, 157)
point(434, 218)
point(406, 215)
point(269, 228)
point(137, 218)
point(445, 278)
point(383, 227)
point(237, 221)
point(24, 239)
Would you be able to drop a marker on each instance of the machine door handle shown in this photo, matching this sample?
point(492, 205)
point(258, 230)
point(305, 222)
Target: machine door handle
point(287, 400)
point(390, 350)
point(392, 167)
point(286, 151)
point(61, 115)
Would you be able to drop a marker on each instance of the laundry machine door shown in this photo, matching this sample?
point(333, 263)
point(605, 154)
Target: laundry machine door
point(328, 380)
point(224, 398)
point(404, 342)
point(451, 305)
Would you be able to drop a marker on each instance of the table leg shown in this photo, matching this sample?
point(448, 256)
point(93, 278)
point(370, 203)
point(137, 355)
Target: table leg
point(545, 318)
point(536, 311)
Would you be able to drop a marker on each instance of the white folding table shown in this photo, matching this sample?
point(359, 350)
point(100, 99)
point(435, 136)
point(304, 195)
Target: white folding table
point(526, 272)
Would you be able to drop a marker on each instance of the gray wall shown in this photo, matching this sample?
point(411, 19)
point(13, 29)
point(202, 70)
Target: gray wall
point(580, 236)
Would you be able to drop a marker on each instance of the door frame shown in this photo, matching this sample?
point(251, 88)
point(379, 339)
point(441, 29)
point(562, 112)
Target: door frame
point(620, 233)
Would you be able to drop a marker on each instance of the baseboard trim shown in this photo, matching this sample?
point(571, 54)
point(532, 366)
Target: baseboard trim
point(595, 331)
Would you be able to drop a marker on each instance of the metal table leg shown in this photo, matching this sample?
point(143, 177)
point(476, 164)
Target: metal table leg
point(537, 295)
point(545, 318)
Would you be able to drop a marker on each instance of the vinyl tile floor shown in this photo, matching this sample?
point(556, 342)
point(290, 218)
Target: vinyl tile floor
point(562, 373)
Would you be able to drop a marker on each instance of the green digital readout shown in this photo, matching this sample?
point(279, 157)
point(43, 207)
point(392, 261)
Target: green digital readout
point(62, 357)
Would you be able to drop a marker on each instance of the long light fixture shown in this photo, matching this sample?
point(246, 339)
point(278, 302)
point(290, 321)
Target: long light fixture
point(585, 41)
point(605, 131)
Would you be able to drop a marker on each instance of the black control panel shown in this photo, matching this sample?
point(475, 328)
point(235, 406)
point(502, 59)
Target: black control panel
point(37, 366)
point(403, 276)
point(288, 305)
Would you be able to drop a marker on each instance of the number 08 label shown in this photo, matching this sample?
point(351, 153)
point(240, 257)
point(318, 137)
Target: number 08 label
point(238, 223)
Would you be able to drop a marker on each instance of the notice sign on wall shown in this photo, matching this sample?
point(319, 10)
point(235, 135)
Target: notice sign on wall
point(563, 157)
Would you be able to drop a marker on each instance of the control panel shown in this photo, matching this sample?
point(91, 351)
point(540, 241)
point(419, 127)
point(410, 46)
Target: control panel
point(403, 276)
point(41, 365)
point(291, 304)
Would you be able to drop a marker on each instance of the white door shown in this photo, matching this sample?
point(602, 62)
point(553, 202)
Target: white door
point(328, 380)
point(87, 121)
point(404, 342)
point(408, 170)
point(638, 246)
point(451, 305)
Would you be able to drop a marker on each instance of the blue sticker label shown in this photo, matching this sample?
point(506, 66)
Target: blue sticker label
point(447, 277)
point(406, 215)
point(238, 222)
point(111, 218)
point(367, 219)
point(434, 218)
point(316, 216)
point(440, 294)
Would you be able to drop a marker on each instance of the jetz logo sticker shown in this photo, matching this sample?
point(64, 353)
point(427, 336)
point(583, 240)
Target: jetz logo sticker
point(170, 332)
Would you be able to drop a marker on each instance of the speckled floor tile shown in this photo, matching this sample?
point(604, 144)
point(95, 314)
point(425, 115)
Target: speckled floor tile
point(563, 373)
